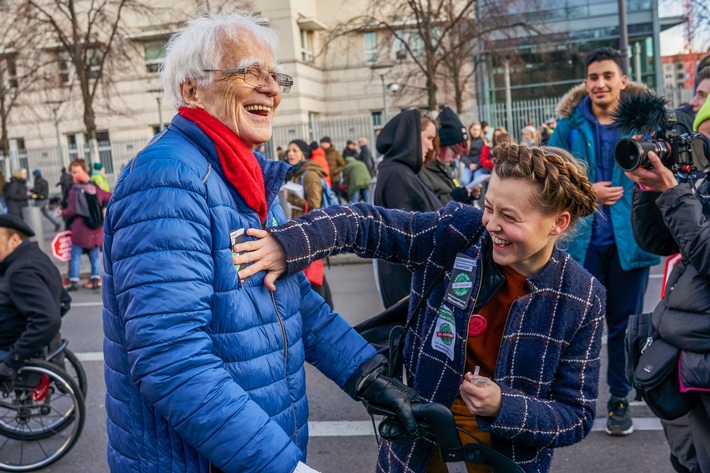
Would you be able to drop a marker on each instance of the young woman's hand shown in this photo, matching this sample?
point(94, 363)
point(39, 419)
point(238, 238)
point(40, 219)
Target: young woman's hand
point(481, 398)
point(265, 253)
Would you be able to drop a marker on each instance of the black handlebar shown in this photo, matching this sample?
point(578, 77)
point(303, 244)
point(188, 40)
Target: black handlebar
point(440, 421)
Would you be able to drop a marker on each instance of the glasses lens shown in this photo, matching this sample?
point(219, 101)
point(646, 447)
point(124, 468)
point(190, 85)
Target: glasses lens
point(285, 82)
point(258, 77)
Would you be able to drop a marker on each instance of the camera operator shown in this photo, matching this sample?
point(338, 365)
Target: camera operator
point(669, 217)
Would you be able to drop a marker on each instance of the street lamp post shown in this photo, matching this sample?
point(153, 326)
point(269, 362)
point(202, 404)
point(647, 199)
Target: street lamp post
point(384, 98)
point(158, 93)
point(160, 114)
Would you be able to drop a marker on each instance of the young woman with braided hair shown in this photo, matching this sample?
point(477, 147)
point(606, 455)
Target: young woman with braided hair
point(513, 308)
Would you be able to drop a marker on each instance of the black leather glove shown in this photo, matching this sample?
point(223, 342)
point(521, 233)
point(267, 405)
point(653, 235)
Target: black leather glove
point(371, 385)
point(460, 194)
point(7, 377)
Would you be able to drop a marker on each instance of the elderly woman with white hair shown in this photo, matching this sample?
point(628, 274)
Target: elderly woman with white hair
point(204, 371)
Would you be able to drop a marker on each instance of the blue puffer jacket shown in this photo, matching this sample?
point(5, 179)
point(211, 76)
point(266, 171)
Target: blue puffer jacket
point(199, 366)
point(577, 135)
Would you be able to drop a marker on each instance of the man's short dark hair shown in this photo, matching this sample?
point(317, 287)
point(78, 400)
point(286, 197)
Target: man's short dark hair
point(704, 73)
point(606, 54)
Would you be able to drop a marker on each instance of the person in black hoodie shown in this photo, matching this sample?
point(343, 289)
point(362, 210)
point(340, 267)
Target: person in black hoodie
point(30, 297)
point(403, 142)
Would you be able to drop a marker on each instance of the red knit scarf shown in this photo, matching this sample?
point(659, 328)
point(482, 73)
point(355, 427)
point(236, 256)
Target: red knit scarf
point(239, 164)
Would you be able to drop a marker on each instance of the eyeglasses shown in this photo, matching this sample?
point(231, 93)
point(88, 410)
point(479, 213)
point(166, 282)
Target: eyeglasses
point(259, 77)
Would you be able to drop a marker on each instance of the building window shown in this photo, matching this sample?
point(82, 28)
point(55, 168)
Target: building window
point(66, 70)
point(8, 70)
point(78, 145)
point(105, 155)
point(17, 147)
point(376, 119)
point(370, 39)
point(402, 39)
point(154, 54)
point(314, 126)
point(307, 46)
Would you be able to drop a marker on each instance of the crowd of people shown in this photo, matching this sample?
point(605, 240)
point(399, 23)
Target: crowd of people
point(516, 254)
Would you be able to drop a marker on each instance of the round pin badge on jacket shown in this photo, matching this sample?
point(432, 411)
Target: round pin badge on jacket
point(477, 325)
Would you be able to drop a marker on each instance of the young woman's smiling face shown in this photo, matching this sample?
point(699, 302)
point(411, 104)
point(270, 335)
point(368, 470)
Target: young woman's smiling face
point(523, 236)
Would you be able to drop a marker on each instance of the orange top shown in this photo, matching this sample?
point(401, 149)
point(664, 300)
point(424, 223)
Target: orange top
point(482, 350)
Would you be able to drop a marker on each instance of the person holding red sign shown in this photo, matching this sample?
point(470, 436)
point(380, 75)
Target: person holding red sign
point(30, 297)
point(510, 336)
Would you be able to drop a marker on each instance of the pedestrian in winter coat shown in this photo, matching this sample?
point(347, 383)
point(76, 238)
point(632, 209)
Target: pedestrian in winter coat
point(521, 311)
point(16, 195)
point(40, 193)
point(350, 149)
point(436, 174)
point(99, 178)
point(336, 163)
point(357, 180)
point(318, 156)
point(85, 213)
point(204, 370)
point(404, 141)
point(65, 184)
point(365, 155)
point(308, 173)
point(604, 242)
point(667, 218)
point(30, 298)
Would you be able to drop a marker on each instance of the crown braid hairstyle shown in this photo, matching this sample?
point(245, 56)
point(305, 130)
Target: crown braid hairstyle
point(562, 180)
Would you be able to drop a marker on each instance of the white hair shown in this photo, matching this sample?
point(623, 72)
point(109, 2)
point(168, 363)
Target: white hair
point(199, 47)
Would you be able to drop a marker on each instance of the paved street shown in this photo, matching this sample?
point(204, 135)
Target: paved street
point(342, 437)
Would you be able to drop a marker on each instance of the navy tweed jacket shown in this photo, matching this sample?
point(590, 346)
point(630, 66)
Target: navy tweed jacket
point(548, 361)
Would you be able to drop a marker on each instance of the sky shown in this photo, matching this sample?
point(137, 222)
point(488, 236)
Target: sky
point(673, 39)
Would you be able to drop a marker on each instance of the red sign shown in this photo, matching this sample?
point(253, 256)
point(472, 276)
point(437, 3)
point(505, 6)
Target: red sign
point(61, 246)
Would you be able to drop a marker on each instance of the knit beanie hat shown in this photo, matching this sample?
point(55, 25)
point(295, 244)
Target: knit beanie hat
point(451, 130)
point(303, 146)
point(98, 166)
point(703, 114)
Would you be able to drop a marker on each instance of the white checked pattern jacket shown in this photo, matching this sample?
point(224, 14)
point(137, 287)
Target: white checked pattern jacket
point(548, 361)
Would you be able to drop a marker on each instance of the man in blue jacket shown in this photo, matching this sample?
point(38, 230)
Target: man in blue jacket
point(205, 372)
point(604, 242)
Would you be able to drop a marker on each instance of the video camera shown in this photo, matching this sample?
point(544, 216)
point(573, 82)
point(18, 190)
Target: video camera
point(646, 114)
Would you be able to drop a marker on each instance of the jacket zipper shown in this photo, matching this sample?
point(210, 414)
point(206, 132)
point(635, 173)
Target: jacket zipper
point(473, 308)
point(283, 333)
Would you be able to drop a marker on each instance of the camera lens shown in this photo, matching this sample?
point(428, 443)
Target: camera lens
point(630, 154)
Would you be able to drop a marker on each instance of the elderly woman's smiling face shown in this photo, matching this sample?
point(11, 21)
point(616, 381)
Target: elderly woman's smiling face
point(243, 108)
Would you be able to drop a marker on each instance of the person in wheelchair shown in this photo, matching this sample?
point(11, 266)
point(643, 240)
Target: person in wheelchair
point(30, 298)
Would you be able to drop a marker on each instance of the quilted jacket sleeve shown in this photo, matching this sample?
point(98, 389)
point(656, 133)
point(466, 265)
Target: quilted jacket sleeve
point(566, 415)
point(163, 270)
point(331, 344)
point(683, 215)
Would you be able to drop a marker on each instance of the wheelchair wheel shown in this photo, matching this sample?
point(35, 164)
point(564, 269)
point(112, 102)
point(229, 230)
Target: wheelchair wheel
point(76, 370)
point(40, 419)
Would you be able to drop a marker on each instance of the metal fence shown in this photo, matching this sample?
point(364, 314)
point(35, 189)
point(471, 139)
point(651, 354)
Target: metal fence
point(535, 112)
point(113, 156)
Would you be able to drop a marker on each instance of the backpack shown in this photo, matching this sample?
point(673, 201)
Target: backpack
point(328, 197)
point(96, 215)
